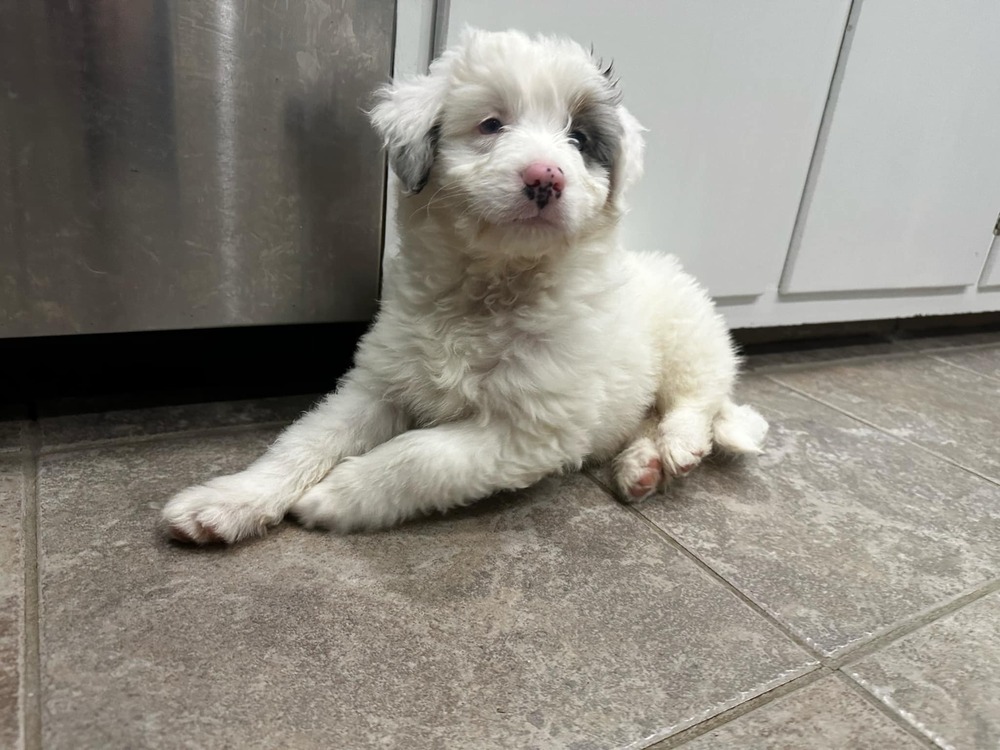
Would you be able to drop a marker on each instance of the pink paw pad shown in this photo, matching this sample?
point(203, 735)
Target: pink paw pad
point(648, 480)
point(685, 469)
point(205, 535)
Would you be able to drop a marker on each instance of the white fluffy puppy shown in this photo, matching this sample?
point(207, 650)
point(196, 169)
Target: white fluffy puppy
point(516, 337)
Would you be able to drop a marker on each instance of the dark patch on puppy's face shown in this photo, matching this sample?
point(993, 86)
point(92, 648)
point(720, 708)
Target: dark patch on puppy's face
point(601, 130)
point(412, 162)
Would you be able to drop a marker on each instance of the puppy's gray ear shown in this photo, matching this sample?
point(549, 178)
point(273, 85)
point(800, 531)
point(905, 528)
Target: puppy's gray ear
point(628, 161)
point(405, 116)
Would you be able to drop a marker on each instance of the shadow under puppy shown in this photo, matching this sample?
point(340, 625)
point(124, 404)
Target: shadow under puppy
point(516, 336)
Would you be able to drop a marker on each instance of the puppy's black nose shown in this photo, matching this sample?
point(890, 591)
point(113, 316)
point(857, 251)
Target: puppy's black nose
point(542, 182)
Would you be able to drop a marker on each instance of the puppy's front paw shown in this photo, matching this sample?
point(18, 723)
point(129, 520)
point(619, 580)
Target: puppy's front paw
point(226, 509)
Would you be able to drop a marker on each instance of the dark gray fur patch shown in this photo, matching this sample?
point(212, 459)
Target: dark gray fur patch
point(412, 161)
point(599, 122)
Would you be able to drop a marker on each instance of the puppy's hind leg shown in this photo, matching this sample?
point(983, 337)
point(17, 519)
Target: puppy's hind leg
point(699, 372)
point(230, 508)
point(696, 383)
point(684, 437)
point(673, 446)
point(693, 427)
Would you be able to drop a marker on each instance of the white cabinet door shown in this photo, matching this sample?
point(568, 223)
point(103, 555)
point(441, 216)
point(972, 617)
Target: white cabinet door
point(905, 190)
point(732, 93)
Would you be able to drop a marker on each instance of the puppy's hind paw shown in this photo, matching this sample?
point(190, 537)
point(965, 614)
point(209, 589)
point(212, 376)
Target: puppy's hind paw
point(683, 439)
point(638, 471)
point(682, 458)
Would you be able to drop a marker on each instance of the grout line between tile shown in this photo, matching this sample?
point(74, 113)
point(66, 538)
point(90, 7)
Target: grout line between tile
point(895, 632)
point(723, 718)
point(963, 368)
point(83, 445)
point(825, 664)
point(31, 694)
point(913, 624)
point(959, 347)
point(715, 575)
point(897, 350)
point(881, 429)
point(766, 369)
point(886, 710)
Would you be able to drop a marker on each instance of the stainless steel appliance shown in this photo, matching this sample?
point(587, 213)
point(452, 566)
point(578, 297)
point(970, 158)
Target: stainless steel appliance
point(170, 164)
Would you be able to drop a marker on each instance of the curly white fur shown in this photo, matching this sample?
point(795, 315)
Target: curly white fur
point(516, 337)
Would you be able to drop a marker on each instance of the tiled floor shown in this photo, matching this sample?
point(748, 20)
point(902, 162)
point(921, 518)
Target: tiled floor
point(840, 591)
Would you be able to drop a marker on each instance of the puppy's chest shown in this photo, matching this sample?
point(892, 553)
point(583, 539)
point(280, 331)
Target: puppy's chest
point(459, 367)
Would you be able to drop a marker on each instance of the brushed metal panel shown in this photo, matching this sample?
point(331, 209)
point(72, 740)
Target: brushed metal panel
point(183, 163)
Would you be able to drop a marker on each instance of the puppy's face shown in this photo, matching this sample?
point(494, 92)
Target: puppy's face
point(523, 141)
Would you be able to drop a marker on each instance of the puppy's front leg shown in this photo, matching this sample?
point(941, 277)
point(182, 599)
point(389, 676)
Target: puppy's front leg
point(347, 423)
point(423, 470)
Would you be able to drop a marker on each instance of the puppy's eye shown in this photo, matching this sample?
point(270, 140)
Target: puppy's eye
point(490, 126)
point(578, 138)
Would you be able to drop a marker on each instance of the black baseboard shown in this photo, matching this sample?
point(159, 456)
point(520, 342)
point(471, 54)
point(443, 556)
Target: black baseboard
point(72, 373)
point(130, 370)
point(830, 335)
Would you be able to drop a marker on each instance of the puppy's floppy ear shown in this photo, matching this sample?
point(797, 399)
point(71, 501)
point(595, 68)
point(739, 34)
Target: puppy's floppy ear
point(628, 161)
point(405, 116)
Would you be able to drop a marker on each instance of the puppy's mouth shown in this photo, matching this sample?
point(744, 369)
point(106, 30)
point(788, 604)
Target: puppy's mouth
point(510, 213)
point(538, 220)
point(532, 217)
